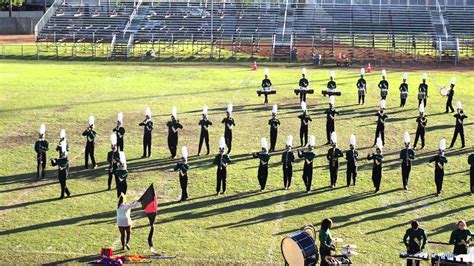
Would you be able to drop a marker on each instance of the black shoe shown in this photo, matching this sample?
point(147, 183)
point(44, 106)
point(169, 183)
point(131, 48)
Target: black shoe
point(127, 246)
point(207, 153)
point(463, 146)
point(450, 146)
point(86, 167)
point(198, 154)
point(143, 157)
point(69, 195)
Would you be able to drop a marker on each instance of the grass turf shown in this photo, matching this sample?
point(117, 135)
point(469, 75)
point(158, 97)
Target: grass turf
point(244, 225)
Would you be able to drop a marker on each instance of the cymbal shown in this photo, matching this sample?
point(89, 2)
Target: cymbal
point(337, 240)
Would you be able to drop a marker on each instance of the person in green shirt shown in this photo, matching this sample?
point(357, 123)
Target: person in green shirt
point(460, 238)
point(415, 240)
point(41, 147)
point(264, 158)
point(325, 240)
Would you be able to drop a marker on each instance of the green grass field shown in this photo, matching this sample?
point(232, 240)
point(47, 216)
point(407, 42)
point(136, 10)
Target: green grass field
point(245, 225)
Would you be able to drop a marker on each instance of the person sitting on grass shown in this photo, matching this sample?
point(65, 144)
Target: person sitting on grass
point(124, 221)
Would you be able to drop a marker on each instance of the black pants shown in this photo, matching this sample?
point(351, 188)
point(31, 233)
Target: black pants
point(324, 253)
point(471, 172)
point(384, 97)
point(420, 133)
point(333, 172)
point(121, 187)
point(172, 144)
point(449, 105)
point(183, 182)
point(273, 138)
point(204, 137)
point(302, 97)
point(304, 135)
point(308, 176)
point(361, 99)
point(221, 179)
point(266, 98)
point(109, 181)
point(413, 250)
point(458, 130)
point(62, 176)
point(228, 140)
point(329, 129)
point(422, 100)
point(147, 145)
point(405, 173)
point(351, 173)
point(403, 101)
point(287, 175)
point(40, 164)
point(460, 249)
point(90, 146)
point(380, 132)
point(120, 144)
point(439, 175)
point(151, 220)
point(125, 232)
point(377, 177)
point(262, 175)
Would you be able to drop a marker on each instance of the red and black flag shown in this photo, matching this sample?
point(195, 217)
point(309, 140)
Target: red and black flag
point(150, 206)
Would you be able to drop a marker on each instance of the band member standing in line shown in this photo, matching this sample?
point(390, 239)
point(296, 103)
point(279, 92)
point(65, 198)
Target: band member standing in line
point(420, 130)
point(182, 167)
point(415, 240)
point(288, 158)
point(331, 84)
point(41, 147)
point(449, 101)
point(333, 156)
point(381, 118)
point(120, 131)
point(229, 125)
point(383, 85)
point(221, 160)
point(205, 123)
point(308, 163)
point(122, 174)
point(90, 134)
point(460, 238)
point(113, 158)
point(440, 160)
point(407, 155)
point(173, 129)
point(62, 137)
point(470, 161)
point(63, 169)
point(403, 90)
point(352, 157)
point(274, 123)
point(304, 83)
point(264, 158)
point(361, 86)
point(305, 120)
point(147, 125)
point(460, 116)
point(266, 85)
point(423, 91)
point(330, 117)
point(377, 158)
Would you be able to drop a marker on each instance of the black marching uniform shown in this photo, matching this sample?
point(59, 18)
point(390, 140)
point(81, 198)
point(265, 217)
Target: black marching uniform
point(228, 123)
point(439, 160)
point(470, 161)
point(41, 147)
point(376, 170)
point(459, 129)
point(422, 93)
point(383, 86)
point(333, 156)
point(183, 179)
point(415, 241)
point(147, 129)
point(59, 147)
point(221, 160)
point(274, 123)
point(352, 156)
point(403, 93)
point(122, 175)
point(361, 89)
point(173, 127)
point(264, 158)
point(380, 130)
point(113, 158)
point(120, 131)
point(63, 171)
point(287, 158)
point(305, 119)
point(449, 101)
point(407, 155)
point(266, 84)
point(308, 157)
point(90, 146)
point(455, 239)
point(204, 137)
point(304, 83)
point(420, 130)
point(330, 125)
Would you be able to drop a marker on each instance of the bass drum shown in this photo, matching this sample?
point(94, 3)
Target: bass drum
point(299, 249)
point(309, 228)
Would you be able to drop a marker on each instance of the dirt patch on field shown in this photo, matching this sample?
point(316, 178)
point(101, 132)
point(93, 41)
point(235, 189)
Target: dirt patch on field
point(16, 39)
point(16, 140)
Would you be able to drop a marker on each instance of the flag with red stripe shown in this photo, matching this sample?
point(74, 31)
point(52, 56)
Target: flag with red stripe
point(149, 201)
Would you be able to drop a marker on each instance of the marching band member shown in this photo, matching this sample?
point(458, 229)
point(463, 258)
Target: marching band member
point(182, 167)
point(264, 158)
point(421, 128)
point(331, 84)
point(120, 131)
point(205, 123)
point(460, 238)
point(305, 120)
point(407, 155)
point(330, 117)
point(122, 174)
point(403, 90)
point(113, 158)
point(423, 91)
point(383, 85)
point(449, 101)
point(62, 137)
point(221, 160)
point(274, 123)
point(439, 160)
point(147, 125)
point(333, 157)
point(304, 83)
point(361, 86)
point(229, 125)
point(377, 158)
point(90, 134)
point(266, 85)
point(308, 163)
point(352, 157)
point(381, 118)
point(415, 240)
point(460, 116)
point(325, 241)
point(41, 147)
point(63, 169)
point(173, 129)
point(470, 161)
point(288, 158)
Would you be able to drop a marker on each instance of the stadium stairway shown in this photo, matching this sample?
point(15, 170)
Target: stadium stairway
point(444, 41)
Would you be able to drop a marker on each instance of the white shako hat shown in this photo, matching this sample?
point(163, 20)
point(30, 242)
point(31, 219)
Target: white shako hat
point(332, 99)
point(458, 105)
point(184, 153)
point(91, 120)
point(303, 106)
point(352, 140)
point(123, 160)
point(425, 76)
point(405, 76)
point(221, 143)
point(379, 143)
point(62, 134)
point(406, 136)
point(148, 112)
point(442, 145)
point(174, 112)
point(453, 81)
point(312, 140)
point(120, 118)
point(113, 139)
point(230, 107)
point(275, 109)
point(421, 108)
point(362, 71)
point(384, 73)
point(383, 104)
point(263, 142)
point(267, 72)
point(205, 110)
point(63, 147)
point(42, 129)
point(303, 71)
point(289, 141)
point(331, 74)
point(333, 137)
